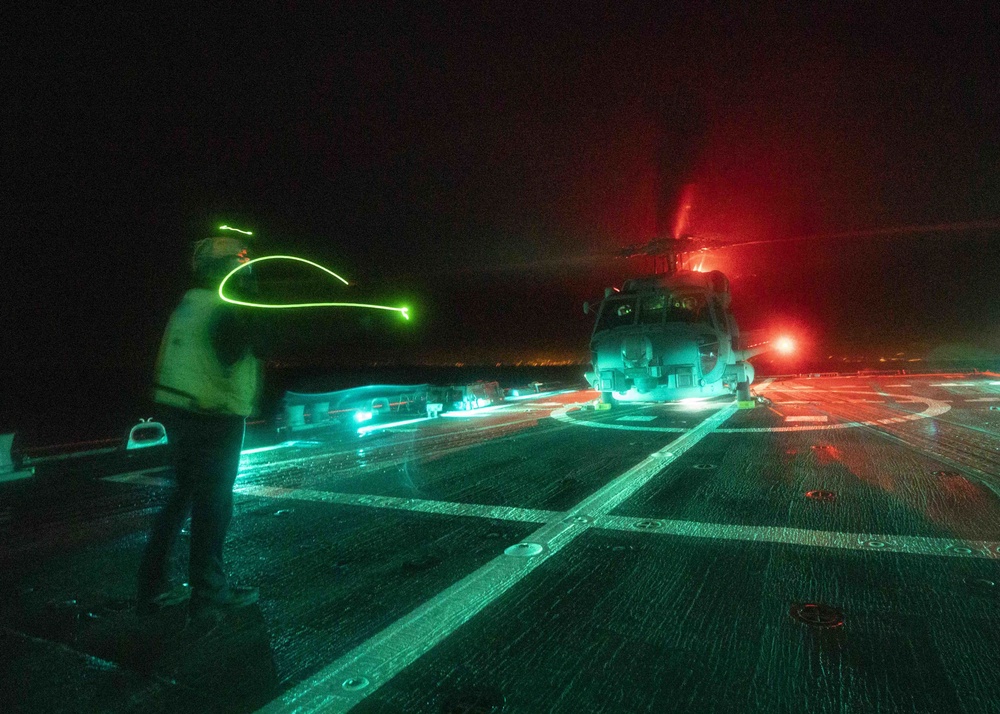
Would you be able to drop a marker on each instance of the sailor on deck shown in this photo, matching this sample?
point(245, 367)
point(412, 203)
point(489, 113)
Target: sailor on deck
point(207, 382)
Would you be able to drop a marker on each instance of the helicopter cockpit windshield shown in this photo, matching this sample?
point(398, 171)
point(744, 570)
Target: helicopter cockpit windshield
point(687, 307)
point(654, 309)
point(617, 313)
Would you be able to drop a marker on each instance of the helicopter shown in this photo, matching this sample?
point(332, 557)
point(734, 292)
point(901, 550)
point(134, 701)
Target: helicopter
point(671, 336)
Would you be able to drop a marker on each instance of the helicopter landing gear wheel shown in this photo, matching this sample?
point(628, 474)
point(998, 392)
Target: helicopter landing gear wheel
point(743, 391)
point(609, 399)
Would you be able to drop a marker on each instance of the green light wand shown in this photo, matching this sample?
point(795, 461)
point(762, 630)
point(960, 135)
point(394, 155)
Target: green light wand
point(404, 311)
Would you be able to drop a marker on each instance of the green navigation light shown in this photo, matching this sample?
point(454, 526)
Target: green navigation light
point(404, 311)
point(230, 228)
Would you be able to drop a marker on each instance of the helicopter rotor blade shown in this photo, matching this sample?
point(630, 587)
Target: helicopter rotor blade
point(544, 264)
point(691, 244)
point(960, 227)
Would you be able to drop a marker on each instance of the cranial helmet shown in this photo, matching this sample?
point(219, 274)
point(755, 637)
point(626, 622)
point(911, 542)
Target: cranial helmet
point(218, 255)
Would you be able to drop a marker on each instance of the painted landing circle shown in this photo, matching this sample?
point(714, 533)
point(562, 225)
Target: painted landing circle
point(934, 408)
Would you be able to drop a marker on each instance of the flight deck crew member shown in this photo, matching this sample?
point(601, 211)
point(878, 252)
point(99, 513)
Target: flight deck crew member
point(207, 383)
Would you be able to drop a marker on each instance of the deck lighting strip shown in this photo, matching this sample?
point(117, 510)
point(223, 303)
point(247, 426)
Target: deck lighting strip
point(908, 545)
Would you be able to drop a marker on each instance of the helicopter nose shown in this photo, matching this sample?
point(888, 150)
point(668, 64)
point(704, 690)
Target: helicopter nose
point(680, 359)
point(680, 352)
point(637, 351)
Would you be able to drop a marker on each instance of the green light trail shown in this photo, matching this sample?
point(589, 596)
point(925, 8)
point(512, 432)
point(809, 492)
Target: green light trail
point(229, 228)
point(404, 311)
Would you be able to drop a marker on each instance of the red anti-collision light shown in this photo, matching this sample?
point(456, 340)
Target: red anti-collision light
point(785, 345)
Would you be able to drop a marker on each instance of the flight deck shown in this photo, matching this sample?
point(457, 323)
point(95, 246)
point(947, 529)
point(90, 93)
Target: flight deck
point(834, 549)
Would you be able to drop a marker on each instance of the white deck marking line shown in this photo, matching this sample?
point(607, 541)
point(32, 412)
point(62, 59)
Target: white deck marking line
point(345, 682)
point(806, 418)
point(418, 505)
point(890, 386)
point(913, 545)
point(563, 416)
point(985, 399)
point(935, 407)
point(138, 478)
point(636, 417)
point(141, 476)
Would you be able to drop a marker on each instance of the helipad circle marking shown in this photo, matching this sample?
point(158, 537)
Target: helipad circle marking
point(935, 407)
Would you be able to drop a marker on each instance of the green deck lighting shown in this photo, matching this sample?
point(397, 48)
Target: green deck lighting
point(404, 311)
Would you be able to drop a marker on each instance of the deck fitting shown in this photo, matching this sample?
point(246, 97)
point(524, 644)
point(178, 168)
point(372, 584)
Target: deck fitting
point(821, 495)
point(647, 525)
point(355, 684)
point(876, 544)
point(960, 549)
point(705, 467)
point(817, 615)
point(524, 550)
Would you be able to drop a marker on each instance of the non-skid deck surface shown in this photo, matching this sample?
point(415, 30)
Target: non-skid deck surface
point(835, 550)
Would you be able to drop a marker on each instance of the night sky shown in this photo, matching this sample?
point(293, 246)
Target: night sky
point(435, 155)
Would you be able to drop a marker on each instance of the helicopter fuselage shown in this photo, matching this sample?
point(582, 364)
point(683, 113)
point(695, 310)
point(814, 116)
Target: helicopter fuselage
point(668, 338)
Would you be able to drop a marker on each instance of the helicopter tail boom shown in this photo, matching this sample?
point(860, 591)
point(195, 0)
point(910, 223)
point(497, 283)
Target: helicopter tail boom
point(744, 355)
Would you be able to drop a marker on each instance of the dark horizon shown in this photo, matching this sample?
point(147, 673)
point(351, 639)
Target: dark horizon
point(421, 151)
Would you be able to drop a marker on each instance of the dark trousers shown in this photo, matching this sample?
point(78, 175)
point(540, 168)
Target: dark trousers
point(205, 451)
